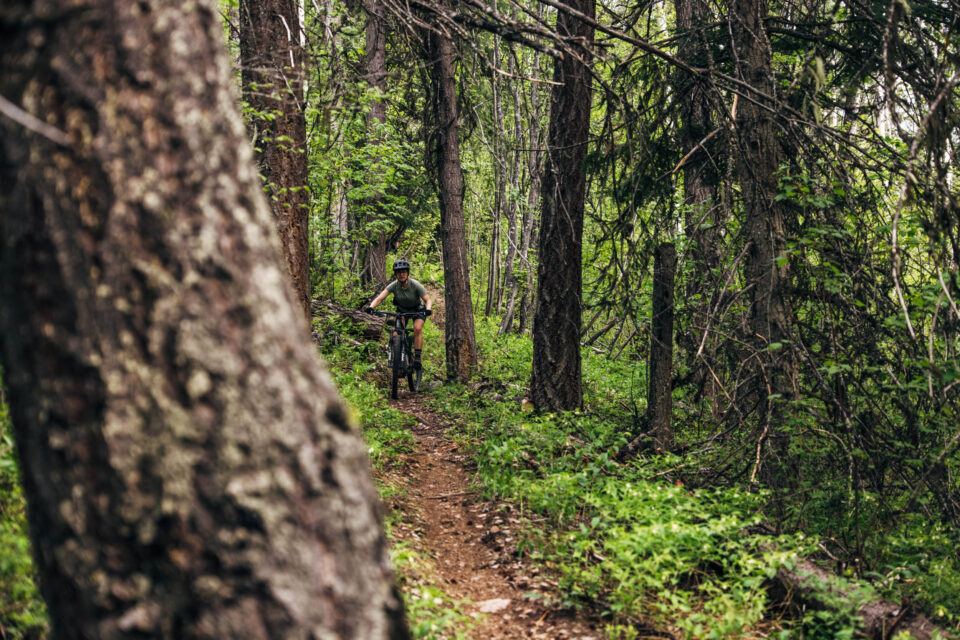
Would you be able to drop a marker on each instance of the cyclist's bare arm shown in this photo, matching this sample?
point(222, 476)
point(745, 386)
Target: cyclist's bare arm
point(380, 298)
point(426, 301)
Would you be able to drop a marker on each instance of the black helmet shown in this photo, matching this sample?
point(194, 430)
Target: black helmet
point(401, 265)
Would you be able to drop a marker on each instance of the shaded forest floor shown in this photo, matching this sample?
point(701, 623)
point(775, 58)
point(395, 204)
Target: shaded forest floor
point(470, 543)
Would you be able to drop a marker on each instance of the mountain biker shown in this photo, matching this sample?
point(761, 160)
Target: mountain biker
point(409, 296)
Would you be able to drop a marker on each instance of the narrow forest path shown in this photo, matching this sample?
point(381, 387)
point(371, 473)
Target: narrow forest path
point(472, 542)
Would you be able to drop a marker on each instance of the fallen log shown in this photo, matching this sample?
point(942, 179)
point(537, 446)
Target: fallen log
point(361, 324)
point(811, 587)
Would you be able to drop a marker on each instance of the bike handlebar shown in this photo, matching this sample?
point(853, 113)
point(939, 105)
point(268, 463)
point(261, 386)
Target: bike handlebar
point(393, 314)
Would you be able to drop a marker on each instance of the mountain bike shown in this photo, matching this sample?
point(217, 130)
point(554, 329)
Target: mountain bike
point(400, 351)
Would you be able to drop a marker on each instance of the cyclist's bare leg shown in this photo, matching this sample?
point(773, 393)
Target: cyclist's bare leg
point(418, 334)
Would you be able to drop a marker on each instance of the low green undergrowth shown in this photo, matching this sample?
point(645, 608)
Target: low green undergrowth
point(386, 430)
point(633, 537)
point(624, 536)
point(431, 613)
point(22, 611)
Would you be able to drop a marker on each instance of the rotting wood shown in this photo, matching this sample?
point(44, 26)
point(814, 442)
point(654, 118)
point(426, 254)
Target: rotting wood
point(369, 326)
point(802, 586)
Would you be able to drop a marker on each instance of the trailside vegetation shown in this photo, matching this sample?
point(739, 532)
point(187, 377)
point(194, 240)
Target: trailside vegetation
point(639, 544)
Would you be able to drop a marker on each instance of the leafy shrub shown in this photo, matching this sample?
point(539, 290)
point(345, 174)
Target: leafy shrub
point(386, 430)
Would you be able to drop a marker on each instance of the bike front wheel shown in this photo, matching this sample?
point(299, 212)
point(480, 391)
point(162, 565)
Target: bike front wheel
point(396, 348)
point(413, 379)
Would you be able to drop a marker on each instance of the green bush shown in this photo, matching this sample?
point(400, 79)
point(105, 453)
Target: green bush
point(386, 430)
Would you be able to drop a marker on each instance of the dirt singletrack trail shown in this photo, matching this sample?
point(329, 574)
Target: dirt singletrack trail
point(472, 542)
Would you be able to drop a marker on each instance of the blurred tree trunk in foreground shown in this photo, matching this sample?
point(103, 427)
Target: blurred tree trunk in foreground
point(189, 469)
point(271, 63)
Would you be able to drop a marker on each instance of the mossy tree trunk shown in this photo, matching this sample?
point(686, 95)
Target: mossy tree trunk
point(189, 469)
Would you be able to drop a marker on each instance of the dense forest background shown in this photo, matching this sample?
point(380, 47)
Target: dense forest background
point(715, 241)
point(799, 160)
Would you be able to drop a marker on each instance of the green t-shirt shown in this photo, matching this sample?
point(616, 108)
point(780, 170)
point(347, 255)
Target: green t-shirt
point(407, 299)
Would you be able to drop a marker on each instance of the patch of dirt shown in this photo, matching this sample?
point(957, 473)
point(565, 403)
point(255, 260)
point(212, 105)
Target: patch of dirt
point(473, 543)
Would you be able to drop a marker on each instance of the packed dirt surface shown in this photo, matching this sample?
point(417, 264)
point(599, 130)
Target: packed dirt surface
point(472, 542)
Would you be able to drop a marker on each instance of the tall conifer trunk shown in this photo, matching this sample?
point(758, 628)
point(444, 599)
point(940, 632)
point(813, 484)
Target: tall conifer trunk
point(271, 62)
point(510, 285)
point(556, 377)
point(375, 252)
point(461, 344)
point(519, 300)
point(498, 146)
point(528, 232)
point(702, 215)
point(659, 384)
point(758, 161)
point(189, 470)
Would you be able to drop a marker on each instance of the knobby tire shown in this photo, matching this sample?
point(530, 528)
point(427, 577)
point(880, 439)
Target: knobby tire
point(414, 374)
point(413, 379)
point(396, 346)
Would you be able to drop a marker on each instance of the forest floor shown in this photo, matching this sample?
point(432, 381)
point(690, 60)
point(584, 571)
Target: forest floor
point(471, 543)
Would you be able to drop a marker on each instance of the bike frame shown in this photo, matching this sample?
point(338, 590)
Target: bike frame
point(402, 350)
